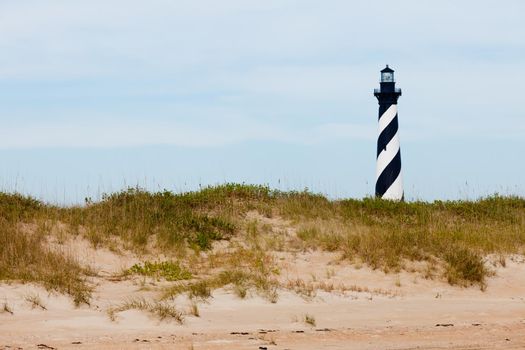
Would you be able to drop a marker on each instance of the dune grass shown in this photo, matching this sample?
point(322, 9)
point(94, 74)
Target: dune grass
point(455, 236)
point(240, 281)
point(386, 234)
point(160, 309)
point(25, 257)
point(195, 219)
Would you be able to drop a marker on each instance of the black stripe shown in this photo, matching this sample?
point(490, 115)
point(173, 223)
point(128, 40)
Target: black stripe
point(386, 135)
point(383, 107)
point(389, 175)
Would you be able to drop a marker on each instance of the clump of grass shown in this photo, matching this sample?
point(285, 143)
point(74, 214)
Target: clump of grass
point(502, 260)
point(24, 257)
point(315, 238)
point(309, 320)
point(309, 234)
point(302, 288)
point(35, 301)
point(397, 282)
point(18, 208)
point(240, 290)
point(194, 309)
point(243, 269)
point(465, 265)
point(6, 308)
point(252, 269)
point(160, 309)
point(169, 270)
point(200, 289)
point(240, 281)
point(308, 290)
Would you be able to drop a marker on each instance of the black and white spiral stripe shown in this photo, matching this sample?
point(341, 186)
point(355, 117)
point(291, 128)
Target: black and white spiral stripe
point(389, 182)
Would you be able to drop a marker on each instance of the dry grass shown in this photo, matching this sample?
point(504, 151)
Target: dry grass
point(308, 290)
point(24, 256)
point(240, 281)
point(309, 320)
point(35, 301)
point(453, 237)
point(382, 234)
point(192, 219)
point(6, 308)
point(194, 309)
point(159, 309)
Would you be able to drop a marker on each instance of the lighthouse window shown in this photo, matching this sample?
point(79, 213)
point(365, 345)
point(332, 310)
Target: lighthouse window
point(387, 77)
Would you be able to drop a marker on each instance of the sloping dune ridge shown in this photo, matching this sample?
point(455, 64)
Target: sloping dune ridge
point(288, 278)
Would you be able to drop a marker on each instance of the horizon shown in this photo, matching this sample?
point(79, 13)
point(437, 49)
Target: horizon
point(102, 196)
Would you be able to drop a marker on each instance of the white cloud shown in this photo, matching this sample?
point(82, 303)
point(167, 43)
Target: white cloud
point(286, 70)
point(59, 39)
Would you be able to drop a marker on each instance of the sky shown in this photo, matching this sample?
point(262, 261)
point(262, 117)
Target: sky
point(100, 95)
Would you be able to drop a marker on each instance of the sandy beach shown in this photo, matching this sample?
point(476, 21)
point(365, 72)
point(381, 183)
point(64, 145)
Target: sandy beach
point(351, 307)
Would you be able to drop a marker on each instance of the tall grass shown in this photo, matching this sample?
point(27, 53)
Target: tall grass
point(385, 234)
point(196, 219)
point(455, 235)
point(25, 257)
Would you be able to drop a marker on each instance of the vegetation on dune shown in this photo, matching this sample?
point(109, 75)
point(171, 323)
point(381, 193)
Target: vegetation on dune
point(309, 320)
point(196, 218)
point(24, 256)
point(162, 310)
point(453, 237)
point(240, 280)
point(169, 270)
point(458, 233)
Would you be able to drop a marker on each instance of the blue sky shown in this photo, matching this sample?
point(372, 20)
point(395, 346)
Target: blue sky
point(99, 95)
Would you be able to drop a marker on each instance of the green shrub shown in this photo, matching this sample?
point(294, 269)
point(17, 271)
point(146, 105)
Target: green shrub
point(169, 270)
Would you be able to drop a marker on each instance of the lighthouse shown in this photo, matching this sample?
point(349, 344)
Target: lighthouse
point(389, 182)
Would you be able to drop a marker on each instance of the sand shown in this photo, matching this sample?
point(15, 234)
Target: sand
point(377, 311)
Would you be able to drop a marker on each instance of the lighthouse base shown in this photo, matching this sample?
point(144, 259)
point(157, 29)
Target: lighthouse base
point(395, 191)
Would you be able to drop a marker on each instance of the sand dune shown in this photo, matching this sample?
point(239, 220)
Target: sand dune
point(359, 308)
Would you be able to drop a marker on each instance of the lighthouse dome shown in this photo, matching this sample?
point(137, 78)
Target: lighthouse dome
point(387, 70)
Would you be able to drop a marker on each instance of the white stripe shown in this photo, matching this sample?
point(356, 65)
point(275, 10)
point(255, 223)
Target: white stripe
point(395, 191)
point(386, 156)
point(387, 117)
